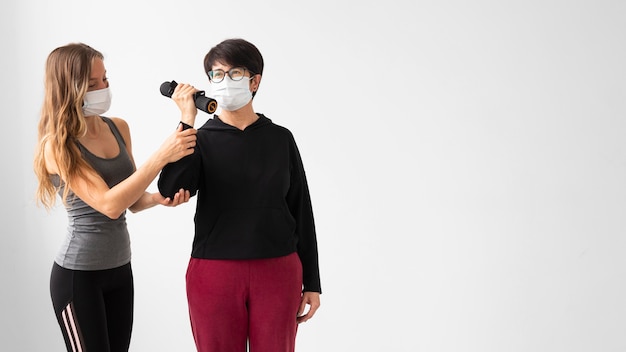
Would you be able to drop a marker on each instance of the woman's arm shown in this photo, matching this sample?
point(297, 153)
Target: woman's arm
point(183, 173)
point(112, 202)
point(147, 200)
point(299, 203)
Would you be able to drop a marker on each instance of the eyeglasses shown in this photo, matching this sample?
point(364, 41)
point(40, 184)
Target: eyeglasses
point(235, 73)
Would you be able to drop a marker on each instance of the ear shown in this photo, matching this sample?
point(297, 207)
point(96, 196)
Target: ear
point(255, 82)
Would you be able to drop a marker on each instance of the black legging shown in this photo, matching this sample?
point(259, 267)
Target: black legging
point(94, 308)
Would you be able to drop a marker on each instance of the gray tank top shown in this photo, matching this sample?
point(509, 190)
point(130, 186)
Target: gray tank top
point(94, 241)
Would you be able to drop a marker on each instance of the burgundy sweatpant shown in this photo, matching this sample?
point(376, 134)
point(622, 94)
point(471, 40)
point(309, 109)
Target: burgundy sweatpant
point(233, 301)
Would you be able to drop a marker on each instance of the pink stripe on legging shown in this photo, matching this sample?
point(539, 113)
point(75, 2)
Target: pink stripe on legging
point(70, 326)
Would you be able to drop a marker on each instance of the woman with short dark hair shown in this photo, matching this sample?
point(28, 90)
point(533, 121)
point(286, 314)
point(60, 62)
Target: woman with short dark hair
point(254, 267)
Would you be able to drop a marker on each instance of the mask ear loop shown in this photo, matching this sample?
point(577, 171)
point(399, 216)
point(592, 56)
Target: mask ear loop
point(252, 80)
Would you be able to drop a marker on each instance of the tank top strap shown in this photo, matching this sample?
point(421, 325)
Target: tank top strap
point(115, 130)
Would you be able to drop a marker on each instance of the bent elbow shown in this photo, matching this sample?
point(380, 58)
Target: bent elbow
point(135, 208)
point(113, 214)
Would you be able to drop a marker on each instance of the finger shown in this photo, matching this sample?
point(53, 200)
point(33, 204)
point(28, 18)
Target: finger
point(186, 89)
point(301, 308)
point(302, 319)
point(179, 197)
point(190, 133)
point(307, 316)
point(311, 312)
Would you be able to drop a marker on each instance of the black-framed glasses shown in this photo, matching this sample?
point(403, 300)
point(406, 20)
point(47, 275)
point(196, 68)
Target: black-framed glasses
point(235, 74)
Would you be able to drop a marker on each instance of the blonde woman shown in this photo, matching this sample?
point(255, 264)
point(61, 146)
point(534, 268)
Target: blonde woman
point(86, 158)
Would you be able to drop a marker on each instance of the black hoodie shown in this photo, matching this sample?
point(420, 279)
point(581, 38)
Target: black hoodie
point(253, 198)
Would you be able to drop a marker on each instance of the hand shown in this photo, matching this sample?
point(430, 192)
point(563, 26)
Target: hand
point(180, 197)
point(312, 299)
point(179, 144)
point(184, 97)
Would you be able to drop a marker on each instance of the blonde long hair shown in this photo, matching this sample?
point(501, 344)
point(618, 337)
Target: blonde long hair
point(62, 122)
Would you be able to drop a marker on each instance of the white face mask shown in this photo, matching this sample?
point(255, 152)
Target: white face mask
point(232, 95)
point(97, 102)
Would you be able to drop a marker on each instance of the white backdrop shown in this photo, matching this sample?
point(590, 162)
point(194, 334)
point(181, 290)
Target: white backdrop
point(466, 161)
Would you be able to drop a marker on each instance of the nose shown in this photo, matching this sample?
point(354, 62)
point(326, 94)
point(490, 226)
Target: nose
point(102, 85)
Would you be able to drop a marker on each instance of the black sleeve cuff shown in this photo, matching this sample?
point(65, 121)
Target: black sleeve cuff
point(185, 126)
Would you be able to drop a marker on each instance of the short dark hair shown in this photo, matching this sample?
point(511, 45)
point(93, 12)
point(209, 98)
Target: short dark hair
point(235, 52)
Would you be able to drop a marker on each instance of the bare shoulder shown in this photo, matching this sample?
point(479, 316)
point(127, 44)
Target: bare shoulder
point(121, 124)
point(123, 127)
